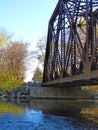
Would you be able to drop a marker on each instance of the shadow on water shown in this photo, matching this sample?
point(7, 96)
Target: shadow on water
point(50, 114)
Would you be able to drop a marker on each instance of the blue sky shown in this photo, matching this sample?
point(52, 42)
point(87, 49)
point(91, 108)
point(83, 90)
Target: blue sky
point(26, 19)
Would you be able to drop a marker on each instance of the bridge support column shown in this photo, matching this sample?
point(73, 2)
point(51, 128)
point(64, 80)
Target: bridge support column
point(87, 70)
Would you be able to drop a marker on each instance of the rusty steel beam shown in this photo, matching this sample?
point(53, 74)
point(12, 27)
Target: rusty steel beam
point(72, 40)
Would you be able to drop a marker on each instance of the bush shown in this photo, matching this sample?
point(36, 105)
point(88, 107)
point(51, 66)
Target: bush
point(9, 83)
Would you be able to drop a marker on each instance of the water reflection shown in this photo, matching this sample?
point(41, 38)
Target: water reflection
point(91, 114)
point(49, 115)
point(8, 107)
point(74, 109)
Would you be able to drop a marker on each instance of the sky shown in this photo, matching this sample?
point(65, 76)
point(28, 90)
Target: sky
point(27, 20)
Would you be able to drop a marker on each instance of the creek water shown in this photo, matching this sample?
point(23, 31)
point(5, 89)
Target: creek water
point(49, 115)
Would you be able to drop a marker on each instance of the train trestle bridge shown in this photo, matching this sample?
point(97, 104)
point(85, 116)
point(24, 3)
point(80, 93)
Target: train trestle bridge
point(72, 44)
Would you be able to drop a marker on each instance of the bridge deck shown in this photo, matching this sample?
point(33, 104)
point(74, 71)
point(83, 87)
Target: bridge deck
point(80, 79)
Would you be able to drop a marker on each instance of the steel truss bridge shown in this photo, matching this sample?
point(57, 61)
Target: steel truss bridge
point(72, 44)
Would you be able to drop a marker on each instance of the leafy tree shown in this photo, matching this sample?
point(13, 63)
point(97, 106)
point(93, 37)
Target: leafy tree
point(5, 38)
point(12, 62)
point(37, 75)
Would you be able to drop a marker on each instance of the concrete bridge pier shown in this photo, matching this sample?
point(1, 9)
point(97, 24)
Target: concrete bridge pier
point(63, 93)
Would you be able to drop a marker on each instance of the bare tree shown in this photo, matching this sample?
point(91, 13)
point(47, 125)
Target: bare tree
point(39, 54)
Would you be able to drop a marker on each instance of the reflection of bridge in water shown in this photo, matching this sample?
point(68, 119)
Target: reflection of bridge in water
point(72, 43)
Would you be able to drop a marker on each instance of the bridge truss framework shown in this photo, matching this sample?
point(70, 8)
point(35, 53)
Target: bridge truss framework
point(72, 43)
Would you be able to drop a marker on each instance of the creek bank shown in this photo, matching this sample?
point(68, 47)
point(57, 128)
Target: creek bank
point(4, 95)
point(19, 93)
point(22, 93)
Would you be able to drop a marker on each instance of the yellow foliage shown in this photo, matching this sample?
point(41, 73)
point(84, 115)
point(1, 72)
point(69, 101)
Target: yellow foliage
point(94, 87)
